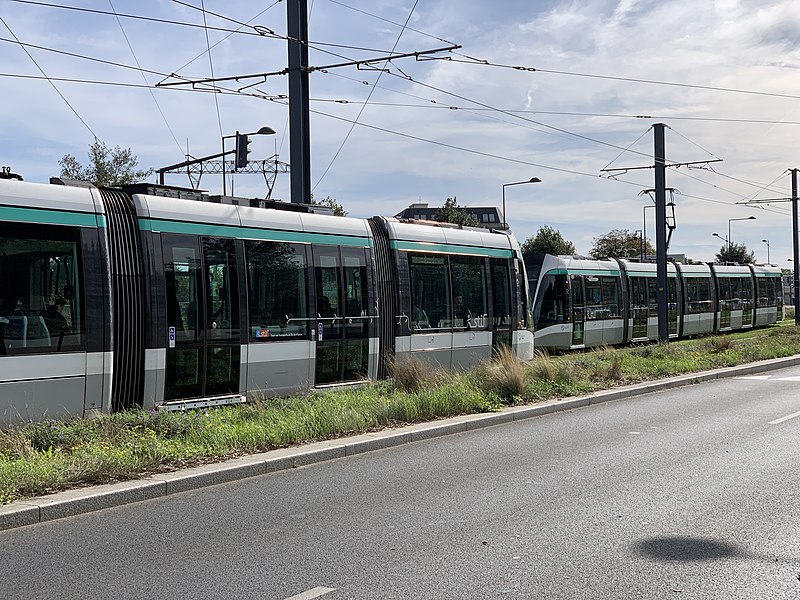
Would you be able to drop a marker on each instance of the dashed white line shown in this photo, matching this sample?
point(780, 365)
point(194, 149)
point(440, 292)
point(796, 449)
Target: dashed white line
point(312, 593)
point(786, 418)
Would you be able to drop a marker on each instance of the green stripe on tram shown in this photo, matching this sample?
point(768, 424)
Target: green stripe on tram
point(595, 272)
point(51, 217)
point(253, 233)
point(450, 249)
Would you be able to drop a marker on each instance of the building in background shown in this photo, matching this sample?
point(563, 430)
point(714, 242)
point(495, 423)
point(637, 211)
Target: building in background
point(488, 216)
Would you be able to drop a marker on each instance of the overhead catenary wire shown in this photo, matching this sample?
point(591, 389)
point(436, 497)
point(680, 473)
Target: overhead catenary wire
point(141, 72)
point(483, 62)
point(50, 81)
point(364, 106)
point(211, 66)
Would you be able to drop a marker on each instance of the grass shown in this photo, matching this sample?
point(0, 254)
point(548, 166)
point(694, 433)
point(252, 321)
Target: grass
point(40, 458)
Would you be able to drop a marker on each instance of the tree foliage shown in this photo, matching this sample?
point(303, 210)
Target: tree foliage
point(451, 212)
point(620, 243)
point(548, 241)
point(107, 167)
point(338, 209)
point(735, 253)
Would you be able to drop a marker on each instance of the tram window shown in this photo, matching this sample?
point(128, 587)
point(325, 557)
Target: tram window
point(736, 292)
point(724, 289)
point(698, 295)
point(277, 290)
point(41, 297)
point(652, 295)
point(610, 288)
point(355, 292)
point(594, 298)
point(222, 318)
point(470, 305)
point(746, 296)
point(551, 301)
point(763, 293)
point(184, 305)
point(501, 293)
point(430, 291)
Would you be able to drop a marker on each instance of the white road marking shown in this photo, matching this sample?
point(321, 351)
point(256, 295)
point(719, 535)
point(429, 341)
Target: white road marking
point(768, 378)
point(313, 593)
point(786, 418)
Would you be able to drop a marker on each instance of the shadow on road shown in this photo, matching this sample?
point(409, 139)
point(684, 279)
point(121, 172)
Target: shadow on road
point(687, 549)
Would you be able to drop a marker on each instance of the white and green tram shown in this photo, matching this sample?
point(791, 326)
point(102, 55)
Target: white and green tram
point(159, 297)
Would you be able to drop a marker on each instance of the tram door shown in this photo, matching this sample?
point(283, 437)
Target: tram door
point(578, 309)
point(202, 304)
point(342, 315)
point(672, 305)
point(501, 303)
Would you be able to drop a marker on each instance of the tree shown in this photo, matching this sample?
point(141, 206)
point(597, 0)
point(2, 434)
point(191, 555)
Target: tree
point(451, 212)
point(549, 241)
point(735, 253)
point(338, 209)
point(620, 243)
point(107, 167)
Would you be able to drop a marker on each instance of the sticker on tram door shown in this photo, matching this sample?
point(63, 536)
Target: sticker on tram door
point(319, 332)
point(171, 337)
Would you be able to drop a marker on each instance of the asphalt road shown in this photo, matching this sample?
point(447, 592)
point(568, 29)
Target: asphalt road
point(691, 493)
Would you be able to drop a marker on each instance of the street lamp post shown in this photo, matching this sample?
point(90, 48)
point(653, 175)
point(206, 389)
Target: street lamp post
point(263, 131)
point(767, 243)
point(727, 243)
point(505, 185)
point(730, 240)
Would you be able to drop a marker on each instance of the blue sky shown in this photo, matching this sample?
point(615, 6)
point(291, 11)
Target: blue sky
point(447, 127)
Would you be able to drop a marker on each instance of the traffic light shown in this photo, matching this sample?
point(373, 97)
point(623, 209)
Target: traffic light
point(242, 142)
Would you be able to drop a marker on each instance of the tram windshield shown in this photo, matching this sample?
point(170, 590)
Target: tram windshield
point(551, 301)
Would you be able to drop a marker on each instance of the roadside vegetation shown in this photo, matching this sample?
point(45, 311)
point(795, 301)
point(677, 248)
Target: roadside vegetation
point(39, 458)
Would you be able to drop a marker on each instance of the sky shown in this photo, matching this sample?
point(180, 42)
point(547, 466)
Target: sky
point(558, 90)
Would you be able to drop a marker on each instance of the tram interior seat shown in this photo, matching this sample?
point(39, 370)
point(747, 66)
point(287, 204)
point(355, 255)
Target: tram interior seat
point(27, 331)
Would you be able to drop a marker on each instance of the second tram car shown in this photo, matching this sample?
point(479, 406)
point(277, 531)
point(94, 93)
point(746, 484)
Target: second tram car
point(160, 297)
point(579, 303)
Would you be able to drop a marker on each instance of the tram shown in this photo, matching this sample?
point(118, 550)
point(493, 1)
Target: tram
point(582, 303)
point(160, 297)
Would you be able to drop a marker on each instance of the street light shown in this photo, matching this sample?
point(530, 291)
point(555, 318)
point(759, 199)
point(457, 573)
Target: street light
point(727, 244)
point(505, 185)
point(730, 240)
point(243, 137)
point(767, 243)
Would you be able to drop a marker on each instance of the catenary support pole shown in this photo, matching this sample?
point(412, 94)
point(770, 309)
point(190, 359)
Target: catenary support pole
point(796, 258)
point(661, 231)
point(299, 135)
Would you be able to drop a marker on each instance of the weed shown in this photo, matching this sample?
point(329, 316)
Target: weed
point(505, 375)
point(412, 374)
point(542, 367)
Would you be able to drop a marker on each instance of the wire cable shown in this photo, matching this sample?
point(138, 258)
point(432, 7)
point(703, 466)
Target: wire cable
point(149, 89)
point(211, 66)
point(50, 81)
point(364, 106)
point(477, 61)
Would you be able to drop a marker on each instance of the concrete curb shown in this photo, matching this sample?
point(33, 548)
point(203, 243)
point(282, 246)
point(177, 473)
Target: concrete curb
point(84, 500)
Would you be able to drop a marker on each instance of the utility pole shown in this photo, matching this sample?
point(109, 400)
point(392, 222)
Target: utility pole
point(299, 121)
point(795, 245)
point(796, 270)
point(298, 71)
point(661, 230)
point(660, 190)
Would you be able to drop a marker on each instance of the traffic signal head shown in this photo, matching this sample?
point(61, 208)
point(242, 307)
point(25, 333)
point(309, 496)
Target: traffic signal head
point(242, 142)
